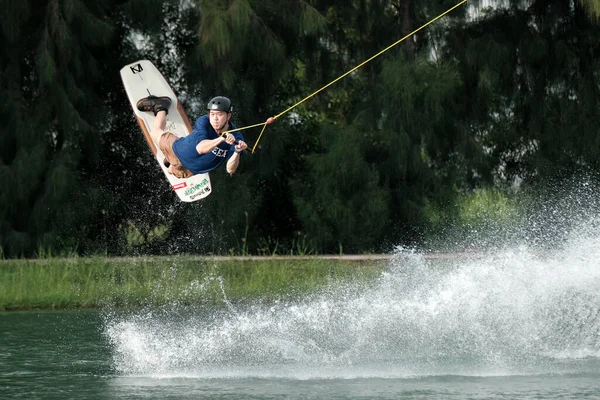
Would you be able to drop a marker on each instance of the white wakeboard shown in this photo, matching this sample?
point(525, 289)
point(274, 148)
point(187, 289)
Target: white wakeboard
point(142, 79)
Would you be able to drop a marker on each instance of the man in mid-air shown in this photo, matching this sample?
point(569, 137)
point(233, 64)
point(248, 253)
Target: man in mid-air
point(205, 148)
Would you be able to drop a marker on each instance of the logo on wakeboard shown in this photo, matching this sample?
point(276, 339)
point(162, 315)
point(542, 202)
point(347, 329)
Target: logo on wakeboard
point(136, 69)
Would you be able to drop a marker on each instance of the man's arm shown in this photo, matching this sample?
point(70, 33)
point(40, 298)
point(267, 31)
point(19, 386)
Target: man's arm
point(233, 163)
point(208, 145)
point(234, 160)
point(205, 145)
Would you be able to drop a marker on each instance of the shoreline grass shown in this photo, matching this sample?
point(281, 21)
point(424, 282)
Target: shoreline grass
point(54, 283)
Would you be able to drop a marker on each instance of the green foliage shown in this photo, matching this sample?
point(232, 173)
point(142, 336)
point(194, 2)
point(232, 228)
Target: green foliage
point(340, 201)
point(48, 79)
point(55, 283)
point(592, 6)
point(473, 103)
point(483, 206)
point(249, 36)
point(136, 238)
point(477, 220)
point(535, 69)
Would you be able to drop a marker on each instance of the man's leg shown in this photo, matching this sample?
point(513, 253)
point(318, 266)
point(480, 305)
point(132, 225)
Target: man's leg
point(158, 128)
point(160, 107)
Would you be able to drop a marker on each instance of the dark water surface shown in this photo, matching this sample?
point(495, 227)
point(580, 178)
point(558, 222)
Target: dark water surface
point(510, 326)
point(63, 355)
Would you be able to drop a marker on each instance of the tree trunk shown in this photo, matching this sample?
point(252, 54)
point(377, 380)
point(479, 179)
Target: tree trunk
point(407, 25)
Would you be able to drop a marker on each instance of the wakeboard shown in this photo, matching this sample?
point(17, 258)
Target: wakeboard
point(142, 79)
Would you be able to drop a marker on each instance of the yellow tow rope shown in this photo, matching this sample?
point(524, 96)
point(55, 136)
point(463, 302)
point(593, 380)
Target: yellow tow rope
point(272, 119)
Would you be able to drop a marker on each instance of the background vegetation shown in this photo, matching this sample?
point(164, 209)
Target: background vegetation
point(53, 283)
point(442, 130)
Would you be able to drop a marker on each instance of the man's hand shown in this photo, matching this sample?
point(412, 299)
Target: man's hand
point(229, 138)
point(240, 146)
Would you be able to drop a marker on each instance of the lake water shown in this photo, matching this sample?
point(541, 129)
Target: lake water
point(508, 325)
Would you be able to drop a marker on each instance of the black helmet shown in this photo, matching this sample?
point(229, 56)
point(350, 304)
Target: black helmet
point(220, 103)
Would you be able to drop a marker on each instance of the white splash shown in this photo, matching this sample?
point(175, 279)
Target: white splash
point(503, 313)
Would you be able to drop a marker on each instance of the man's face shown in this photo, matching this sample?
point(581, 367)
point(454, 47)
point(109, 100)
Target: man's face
point(218, 119)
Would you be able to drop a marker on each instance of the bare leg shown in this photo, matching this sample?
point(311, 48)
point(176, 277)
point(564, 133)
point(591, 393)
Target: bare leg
point(160, 122)
point(158, 129)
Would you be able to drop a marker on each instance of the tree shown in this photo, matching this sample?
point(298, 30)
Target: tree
point(403, 120)
point(535, 69)
point(50, 67)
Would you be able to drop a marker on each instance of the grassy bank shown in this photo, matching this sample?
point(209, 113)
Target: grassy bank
point(98, 282)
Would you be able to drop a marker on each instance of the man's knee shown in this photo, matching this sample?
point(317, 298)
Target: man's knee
point(179, 171)
point(156, 134)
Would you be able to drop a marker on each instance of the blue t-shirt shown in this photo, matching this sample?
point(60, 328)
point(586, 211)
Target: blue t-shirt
point(185, 147)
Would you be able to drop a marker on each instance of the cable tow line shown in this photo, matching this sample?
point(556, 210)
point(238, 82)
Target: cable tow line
point(270, 120)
